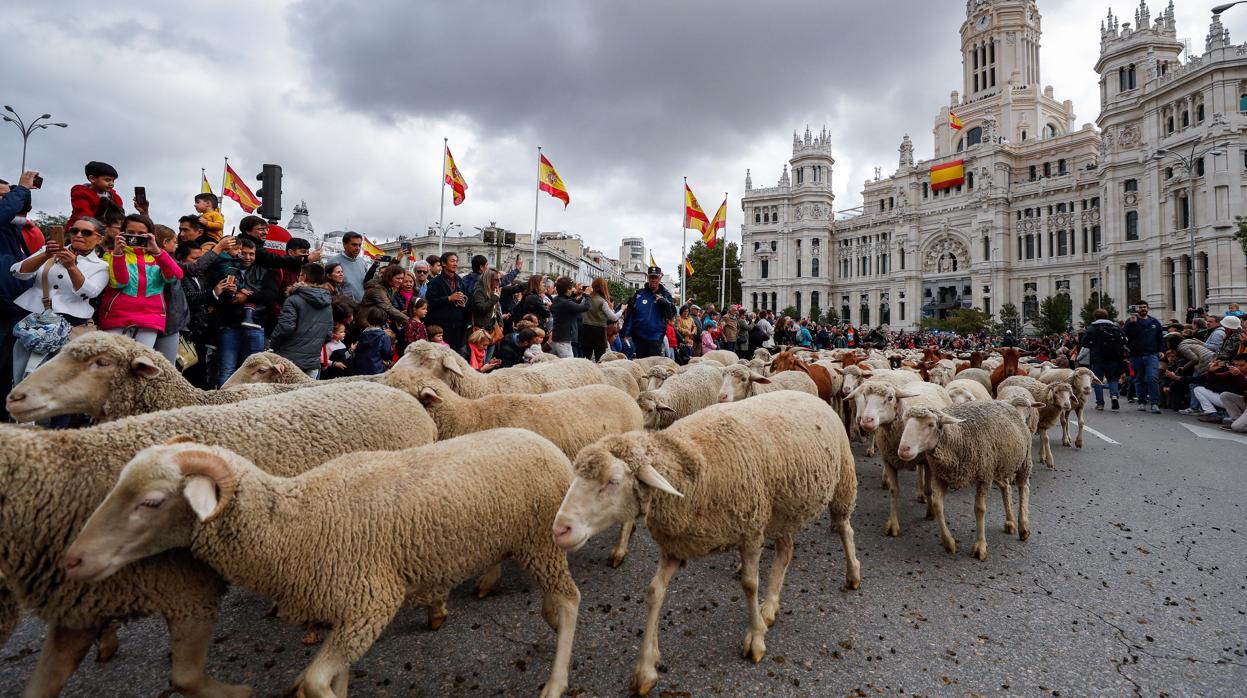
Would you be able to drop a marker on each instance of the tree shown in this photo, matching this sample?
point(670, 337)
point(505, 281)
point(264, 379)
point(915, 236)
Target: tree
point(1055, 314)
point(703, 285)
point(1010, 319)
point(1241, 233)
point(45, 220)
point(830, 316)
point(816, 314)
point(1087, 314)
point(961, 321)
point(790, 311)
point(620, 292)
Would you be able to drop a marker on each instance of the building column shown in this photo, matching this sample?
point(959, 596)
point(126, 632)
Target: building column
point(1167, 269)
point(1198, 284)
point(1181, 298)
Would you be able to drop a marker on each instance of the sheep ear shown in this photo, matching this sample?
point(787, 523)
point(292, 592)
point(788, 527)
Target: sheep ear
point(1038, 405)
point(651, 477)
point(758, 378)
point(901, 395)
point(280, 368)
point(428, 396)
point(949, 419)
point(200, 493)
point(450, 365)
point(853, 393)
point(663, 407)
point(180, 439)
point(144, 367)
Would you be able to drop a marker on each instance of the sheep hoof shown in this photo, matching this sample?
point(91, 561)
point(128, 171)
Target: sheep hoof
point(106, 644)
point(1078, 443)
point(1024, 534)
point(930, 512)
point(1066, 442)
point(616, 559)
point(892, 529)
point(312, 638)
point(979, 551)
point(769, 611)
point(852, 584)
point(754, 647)
point(437, 621)
point(951, 546)
point(552, 690)
point(1010, 528)
point(644, 679)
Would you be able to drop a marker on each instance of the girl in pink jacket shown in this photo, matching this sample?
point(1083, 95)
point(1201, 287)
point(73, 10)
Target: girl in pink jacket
point(133, 304)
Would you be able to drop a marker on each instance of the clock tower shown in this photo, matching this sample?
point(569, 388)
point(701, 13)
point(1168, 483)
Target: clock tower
point(999, 43)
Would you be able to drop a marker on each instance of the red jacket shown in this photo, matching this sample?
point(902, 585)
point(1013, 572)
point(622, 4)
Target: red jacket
point(85, 200)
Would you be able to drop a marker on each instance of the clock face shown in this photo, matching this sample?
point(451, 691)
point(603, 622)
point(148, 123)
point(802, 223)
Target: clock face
point(1030, 16)
point(982, 23)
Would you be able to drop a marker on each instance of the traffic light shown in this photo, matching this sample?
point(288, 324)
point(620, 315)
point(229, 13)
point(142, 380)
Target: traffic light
point(269, 193)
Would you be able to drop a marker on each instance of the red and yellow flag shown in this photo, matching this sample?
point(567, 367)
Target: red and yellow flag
point(204, 187)
point(371, 250)
point(237, 190)
point(688, 267)
point(948, 175)
point(694, 217)
point(711, 233)
point(456, 181)
point(955, 122)
point(550, 182)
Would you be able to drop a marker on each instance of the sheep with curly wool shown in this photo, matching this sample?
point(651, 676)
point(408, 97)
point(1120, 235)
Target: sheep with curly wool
point(655, 376)
point(879, 405)
point(612, 356)
point(740, 383)
point(70, 472)
point(447, 365)
point(651, 361)
point(621, 375)
point(267, 367)
point(708, 483)
point(762, 354)
point(1080, 381)
point(964, 390)
point(1056, 399)
point(110, 376)
point(723, 356)
point(976, 443)
point(1022, 402)
point(347, 543)
point(681, 395)
point(980, 376)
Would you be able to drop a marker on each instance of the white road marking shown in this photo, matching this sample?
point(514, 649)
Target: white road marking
point(1206, 433)
point(1074, 422)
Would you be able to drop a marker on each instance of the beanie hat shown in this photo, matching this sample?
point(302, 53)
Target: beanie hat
point(100, 169)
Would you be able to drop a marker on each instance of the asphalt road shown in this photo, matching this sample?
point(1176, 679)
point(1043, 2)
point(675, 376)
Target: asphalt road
point(1134, 582)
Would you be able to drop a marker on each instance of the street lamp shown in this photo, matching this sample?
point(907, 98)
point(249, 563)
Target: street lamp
point(1222, 8)
point(441, 233)
point(28, 129)
point(1189, 164)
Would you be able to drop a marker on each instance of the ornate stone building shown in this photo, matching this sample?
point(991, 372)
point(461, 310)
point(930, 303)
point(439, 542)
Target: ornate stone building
point(1046, 208)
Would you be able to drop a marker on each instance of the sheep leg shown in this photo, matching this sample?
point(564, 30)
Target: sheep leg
point(754, 646)
point(980, 520)
point(937, 504)
point(344, 645)
point(107, 643)
point(924, 487)
point(10, 612)
point(621, 546)
point(1045, 449)
point(1081, 421)
point(437, 610)
point(852, 568)
point(893, 526)
point(486, 583)
point(561, 611)
point(1065, 440)
point(1023, 481)
point(1007, 499)
point(645, 673)
point(775, 580)
point(63, 650)
point(188, 647)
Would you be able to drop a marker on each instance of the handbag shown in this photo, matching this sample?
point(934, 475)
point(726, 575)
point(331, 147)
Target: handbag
point(187, 356)
point(44, 332)
point(1084, 357)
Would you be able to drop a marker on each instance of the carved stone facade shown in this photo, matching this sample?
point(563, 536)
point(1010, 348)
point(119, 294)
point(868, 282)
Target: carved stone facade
point(1046, 208)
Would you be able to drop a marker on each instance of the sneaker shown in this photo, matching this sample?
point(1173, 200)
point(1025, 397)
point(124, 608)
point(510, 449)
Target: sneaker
point(1155, 409)
point(1210, 417)
point(1226, 427)
point(1132, 399)
point(1099, 407)
point(250, 325)
point(1142, 407)
point(1115, 405)
point(1188, 412)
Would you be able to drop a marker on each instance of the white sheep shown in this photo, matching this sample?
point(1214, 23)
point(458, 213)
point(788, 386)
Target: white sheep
point(268, 367)
point(345, 544)
point(708, 483)
point(1057, 398)
point(964, 390)
point(447, 365)
point(651, 361)
point(979, 375)
point(762, 354)
point(977, 443)
point(620, 374)
point(110, 376)
point(740, 383)
point(879, 405)
point(681, 395)
point(71, 471)
point(655, 376)
point(1080, 381)
point(723, 356)
point(612, 356)
point(1022, 402)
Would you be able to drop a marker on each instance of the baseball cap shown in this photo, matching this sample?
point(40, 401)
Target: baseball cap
point(653, 271)
point(1232, 322)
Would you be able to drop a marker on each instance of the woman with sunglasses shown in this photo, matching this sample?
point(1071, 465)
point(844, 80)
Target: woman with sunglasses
point(75, 275)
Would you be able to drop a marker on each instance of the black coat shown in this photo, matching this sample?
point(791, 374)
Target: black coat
point(452, 318)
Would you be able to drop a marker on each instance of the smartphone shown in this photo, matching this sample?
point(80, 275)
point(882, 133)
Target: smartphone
point(230, 280)
point(135, 240)
point(140, 195)
point(37, 183)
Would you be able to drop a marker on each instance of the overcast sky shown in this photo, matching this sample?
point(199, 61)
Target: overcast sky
point(627, 97)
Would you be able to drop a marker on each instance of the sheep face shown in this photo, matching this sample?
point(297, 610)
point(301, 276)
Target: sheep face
point(78, 380)
point(257, 368)
point(736, 382)
point(921, 432)
point(1020, 400)
point(148, 511)
point(439, 361)
point(958, 395)
point(853, 376)
point(656, 375)
point(1061, 395)
point(1081, 382)
point(606, 491)
point(877, 405)
point(652, 406)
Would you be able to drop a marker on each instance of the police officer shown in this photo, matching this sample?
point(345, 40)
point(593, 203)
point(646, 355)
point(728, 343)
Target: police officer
point(648, 312)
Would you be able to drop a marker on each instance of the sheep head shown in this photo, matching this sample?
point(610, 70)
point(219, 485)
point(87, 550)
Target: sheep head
point(159, 496)
point(652, 406)
point(614, 482)
point(441, 362)
point(265, 367)
point(79, 379)
point(655, 376)
point(878, 404)
point(736, 382)
point(921, 433)
point(959, 395)
point(1061, 395)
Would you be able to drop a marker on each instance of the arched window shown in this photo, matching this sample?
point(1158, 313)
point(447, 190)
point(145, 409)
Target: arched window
point(1049, 131)
point(813, 301)
point(814, 267)
point(1186, 118)
point(757, 215)
point(755, 301)
point(974, 136)
point(960, 145)
point(1132, 225)
point(798, 268)
point(1169, 125)
point(865, 318)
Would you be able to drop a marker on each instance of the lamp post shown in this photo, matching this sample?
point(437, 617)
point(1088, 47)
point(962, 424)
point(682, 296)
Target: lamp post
point(28, 129)
point(441, 233)
point(1222, 8)
point(1188, 162)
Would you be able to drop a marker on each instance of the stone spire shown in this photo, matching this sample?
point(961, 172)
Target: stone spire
point(808, 139)
point(748, 181)
point(300, 226)
point(907, 152)
point(1218, 35)
point(783, 179)
point(1142, 16)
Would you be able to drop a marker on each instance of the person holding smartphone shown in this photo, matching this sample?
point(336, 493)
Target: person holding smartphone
point(138, 269)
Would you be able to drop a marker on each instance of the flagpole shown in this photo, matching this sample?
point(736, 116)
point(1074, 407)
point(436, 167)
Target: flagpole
point(224, 174)
point(723, 274)
point(684, 244)
point(536, 208)
point(441, 213)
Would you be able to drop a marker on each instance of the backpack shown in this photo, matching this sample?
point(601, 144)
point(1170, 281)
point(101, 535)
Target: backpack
point(1111, 342)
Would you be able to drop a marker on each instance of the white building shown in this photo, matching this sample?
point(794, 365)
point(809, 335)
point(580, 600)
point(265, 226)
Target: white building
point(1046, 208)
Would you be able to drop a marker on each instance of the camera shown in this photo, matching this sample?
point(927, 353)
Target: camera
point(385, 259)
point(135, 240)
point(1133, 309)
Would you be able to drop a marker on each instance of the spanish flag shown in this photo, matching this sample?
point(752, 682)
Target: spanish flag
point(204, 187)
point(955, 122)
point(652, 263)
point(948, 175)
point(371, 250)
point(457, 183)
point(551, 183)
point(237, 190)
point(694, 217)
point(688, 267)
point(711, 233)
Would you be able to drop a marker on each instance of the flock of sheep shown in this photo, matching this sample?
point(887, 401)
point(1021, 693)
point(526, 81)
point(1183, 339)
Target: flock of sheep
point(330, 497)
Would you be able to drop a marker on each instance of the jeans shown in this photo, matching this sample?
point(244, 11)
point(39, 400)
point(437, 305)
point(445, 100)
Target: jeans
point(234, 346)
point(1107, 373)
point(1146, 378)
point(1209, 401)
point(1236, 407)
point(563, 350)
point(167, 346)
point(313, 373)
point(145, 337)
